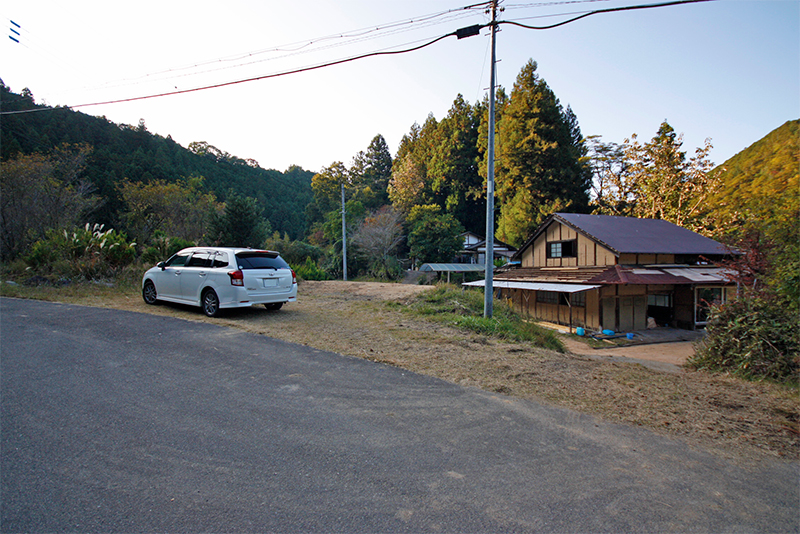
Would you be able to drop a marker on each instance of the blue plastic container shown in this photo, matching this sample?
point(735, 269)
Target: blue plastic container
point(629, 336)
point(580, 331)
point(608, 332)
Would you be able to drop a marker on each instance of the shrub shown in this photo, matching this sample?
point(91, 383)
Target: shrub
point(163, 247)
point(753, 336)
point(90, 252)
point(310, 271)
point(385, 269)
point(294, 252)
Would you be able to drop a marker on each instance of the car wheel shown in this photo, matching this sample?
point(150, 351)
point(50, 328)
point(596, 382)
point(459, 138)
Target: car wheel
point(149, 293)
point(274, 306)
point(210, 303)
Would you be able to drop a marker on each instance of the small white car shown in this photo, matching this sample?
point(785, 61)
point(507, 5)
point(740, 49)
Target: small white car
point(215, 278)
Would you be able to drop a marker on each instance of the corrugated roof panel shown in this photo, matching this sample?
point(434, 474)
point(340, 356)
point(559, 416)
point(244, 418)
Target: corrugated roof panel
point(452, 267)
point(534, 286)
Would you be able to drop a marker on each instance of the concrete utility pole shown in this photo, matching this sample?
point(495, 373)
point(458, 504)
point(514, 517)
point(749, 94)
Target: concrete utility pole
point(344, 240)
point(488, 290)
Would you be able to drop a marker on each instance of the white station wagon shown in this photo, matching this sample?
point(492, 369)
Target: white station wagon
point(216, 278)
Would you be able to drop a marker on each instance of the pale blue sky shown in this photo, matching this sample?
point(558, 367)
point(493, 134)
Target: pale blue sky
point(728, 69)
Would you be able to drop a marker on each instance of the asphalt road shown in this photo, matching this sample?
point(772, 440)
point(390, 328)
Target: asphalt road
point(123, 422)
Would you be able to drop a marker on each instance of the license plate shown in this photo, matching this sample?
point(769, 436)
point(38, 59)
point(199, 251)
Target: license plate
point(270, 282)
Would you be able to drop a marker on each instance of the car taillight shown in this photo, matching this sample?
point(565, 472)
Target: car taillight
point(237, 278)
point(294, 277)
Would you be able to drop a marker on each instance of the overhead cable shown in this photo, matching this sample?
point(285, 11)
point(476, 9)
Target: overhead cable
point(599, 11)
point(267, 76)
point(370, 54)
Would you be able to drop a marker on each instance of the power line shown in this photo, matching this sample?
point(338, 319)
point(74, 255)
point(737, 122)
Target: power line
point(301, 50)
point(267, 76)
point(600, 11)
point(548, 4)
point(475, 29)
point(306, 46)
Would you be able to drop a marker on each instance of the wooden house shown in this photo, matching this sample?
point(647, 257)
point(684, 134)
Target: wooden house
point(603, 272)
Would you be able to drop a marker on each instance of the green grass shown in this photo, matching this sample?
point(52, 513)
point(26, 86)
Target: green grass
point(463, 309)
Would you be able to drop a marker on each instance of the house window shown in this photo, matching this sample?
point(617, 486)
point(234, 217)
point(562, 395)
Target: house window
point(547, 297)
point(661, 301)
point(562, 299)
point(705, 298)
point(562, 249)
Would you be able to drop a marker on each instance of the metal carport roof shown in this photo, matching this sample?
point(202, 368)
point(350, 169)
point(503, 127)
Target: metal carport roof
point(452, 267)
point(535, 286)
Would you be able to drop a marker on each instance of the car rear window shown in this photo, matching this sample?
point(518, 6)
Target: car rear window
point(260, 260)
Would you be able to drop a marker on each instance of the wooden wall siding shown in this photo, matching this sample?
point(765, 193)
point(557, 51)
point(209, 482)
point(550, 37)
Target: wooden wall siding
point(646, 259)
point(593, 310)
point(653, 289)
point(683, 304)
point(605, 256)
point(539, 253)
point(523, 301)
point(631, 290)
point(589, 252)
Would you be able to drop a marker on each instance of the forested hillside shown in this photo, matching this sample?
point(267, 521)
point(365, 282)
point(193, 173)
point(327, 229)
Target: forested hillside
point(763, 176)
point(120, 151)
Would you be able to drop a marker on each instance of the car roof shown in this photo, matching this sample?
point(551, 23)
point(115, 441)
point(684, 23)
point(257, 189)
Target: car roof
point(233, 250)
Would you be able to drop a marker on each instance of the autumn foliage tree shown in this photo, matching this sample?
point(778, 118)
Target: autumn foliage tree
point(175, 209)
point(654, 180)
point(376, 240)
point(41, 192)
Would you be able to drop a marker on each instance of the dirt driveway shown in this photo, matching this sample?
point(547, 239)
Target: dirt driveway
point(674, 354)
point(671, 356)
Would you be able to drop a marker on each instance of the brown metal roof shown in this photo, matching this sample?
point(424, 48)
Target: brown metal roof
point(574, 275)
point(631, 235)
point(642, 236)
point(618, 274)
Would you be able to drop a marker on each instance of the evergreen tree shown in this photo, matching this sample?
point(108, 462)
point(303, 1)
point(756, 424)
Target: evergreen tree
point(456, 184)
point(327, 186)
point(406, 185)
point(372, 170)
point(539, 167)
point(240, 224)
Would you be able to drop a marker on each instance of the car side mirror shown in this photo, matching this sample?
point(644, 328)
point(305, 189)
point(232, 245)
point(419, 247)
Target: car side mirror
point(161, 265)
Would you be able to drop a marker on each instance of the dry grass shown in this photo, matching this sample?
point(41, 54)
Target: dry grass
point(741, 420)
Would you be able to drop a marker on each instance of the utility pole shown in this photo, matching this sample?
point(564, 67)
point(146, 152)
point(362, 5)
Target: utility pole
point(488, 290)
point(344, 240)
